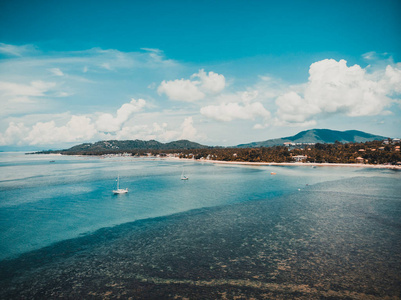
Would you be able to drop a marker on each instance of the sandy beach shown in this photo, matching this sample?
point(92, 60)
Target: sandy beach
point(300, 164)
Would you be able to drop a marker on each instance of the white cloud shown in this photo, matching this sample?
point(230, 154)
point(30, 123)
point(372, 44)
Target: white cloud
point(193, 90)
point(188, 130)
point(44, 133)
point(281, 122)
point(16, 50)
point(231, 111)
point(210, 82)
point(110, 59)
point(67, 128)
point(156, 55)
point(40, 80)
point(80, 128)
point(160, 132)
point(238, 106)
point(35, 88)
point(56, 71)
point(153, 50)
point(393, 79)
point(293, 108)
point(77, 129)
point(154, 131)
point(19, 98)
point(239, 97)
point(14, 134)
point(335, 88)
point(181, 90)
point(107, 123)
point(106, 66)
point(374, 57)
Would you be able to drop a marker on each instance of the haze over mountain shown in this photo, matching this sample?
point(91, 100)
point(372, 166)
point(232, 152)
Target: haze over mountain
point(324, 136)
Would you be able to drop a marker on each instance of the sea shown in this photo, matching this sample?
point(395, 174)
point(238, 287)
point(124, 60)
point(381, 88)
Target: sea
point(46, 200)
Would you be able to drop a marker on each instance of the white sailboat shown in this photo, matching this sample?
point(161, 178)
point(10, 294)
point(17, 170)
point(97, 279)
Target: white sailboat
point(183, 177)
point(118, 190)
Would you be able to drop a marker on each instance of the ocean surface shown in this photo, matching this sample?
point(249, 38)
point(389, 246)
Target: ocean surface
point(42, 202)
point(237, 225)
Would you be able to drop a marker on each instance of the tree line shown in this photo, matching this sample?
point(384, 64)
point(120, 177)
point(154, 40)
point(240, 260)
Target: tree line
point(373, 152)
point(369, 152)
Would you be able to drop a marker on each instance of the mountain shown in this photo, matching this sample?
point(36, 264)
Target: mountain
point(309, 136)
point(323, 136)
point(114, 145)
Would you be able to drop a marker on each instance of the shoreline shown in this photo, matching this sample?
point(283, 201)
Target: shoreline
point(308, 164)
point(299, 164)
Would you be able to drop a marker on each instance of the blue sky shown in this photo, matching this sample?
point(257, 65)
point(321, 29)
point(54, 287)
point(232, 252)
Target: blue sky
point(215, 72)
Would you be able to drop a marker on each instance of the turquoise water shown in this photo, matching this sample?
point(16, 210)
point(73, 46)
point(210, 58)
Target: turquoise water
point(43, 202)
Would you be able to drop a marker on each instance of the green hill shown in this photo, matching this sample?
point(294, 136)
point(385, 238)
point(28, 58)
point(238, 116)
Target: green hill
point(129, 145)
point(323, 136)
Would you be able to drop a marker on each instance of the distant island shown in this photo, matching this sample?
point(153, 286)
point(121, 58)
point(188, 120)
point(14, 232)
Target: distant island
point(313, 146)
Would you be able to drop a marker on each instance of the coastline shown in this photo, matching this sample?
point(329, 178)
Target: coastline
point(300, 164)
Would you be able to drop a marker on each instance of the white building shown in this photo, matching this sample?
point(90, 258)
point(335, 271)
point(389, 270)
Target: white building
point(299, 158)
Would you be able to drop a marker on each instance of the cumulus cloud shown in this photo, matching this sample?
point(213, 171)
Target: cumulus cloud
point(107, 123)
point(160, 131)
point(14, 134)
point(210, 82)
point(155, 131)
point(238, 106)
point(44, 133)
point(188, 131)
point(69, 129)
point(163, 132)
point(294, 109)
point(78, 128)
point(181, 90)
point(392, 81)
point(335, 88)
point(190, 90)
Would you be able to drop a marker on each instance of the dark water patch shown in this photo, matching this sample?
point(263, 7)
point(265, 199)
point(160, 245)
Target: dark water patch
point(71, 247)
point(314, 244)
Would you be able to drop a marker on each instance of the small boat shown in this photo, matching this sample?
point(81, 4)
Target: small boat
point(118, 190)
point(183, 177)
point(272, 173)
